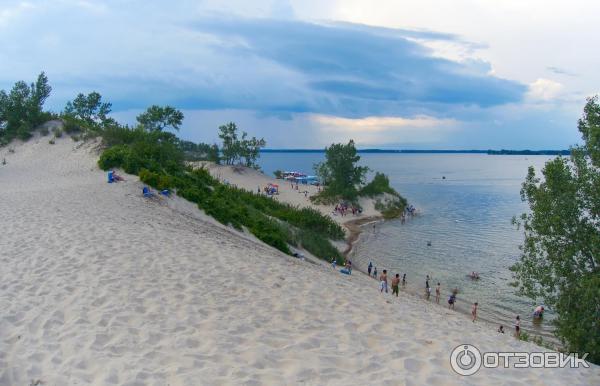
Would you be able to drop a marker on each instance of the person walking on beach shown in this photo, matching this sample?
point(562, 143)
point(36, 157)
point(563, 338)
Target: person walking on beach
point(474, 311)
point(438, 289)
point(427, 287)
point(333, 262)
point(395, 284)
point(383, 282)
point(375, 273)
point(518, 327)
point(370, 268)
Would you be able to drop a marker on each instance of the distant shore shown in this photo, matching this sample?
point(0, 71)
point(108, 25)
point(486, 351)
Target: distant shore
point(430, 151)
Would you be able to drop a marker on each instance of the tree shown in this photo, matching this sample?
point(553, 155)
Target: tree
point(21, 110)
point(250, 149)
point(229, 148)
point(245, 150)
point(559, 262)
point(89, 109)
point(339, 172)
point(199, 151)
point(157, 118)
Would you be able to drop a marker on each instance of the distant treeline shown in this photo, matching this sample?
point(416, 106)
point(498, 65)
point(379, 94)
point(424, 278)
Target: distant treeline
point(409, 151)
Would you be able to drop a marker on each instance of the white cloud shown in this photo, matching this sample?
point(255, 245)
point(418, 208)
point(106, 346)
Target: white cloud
point(380, 130)
point(544, 90)
point(12, 12)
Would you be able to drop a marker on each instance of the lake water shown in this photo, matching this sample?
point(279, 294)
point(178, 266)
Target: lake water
point(466, 217)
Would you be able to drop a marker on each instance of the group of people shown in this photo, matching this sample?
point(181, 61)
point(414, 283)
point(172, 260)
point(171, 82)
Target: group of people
point(397, 281)
point(343, 208)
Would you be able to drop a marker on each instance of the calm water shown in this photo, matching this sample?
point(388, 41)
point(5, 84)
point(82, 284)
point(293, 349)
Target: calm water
point(466, 216)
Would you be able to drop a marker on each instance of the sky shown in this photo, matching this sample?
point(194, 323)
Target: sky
point(410, 74)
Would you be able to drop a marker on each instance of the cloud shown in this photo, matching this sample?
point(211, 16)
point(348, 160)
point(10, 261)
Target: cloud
point(357, 70)
point(560, 71)
point(379, 130)
point(544, 90)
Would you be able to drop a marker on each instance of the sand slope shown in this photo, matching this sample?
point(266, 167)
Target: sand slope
point(99, 286)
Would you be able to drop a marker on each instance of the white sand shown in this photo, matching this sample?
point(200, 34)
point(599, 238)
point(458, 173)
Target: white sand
point(251, 179)
point(99, 286)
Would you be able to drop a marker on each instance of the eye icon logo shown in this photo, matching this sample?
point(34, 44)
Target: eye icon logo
point(465, 359)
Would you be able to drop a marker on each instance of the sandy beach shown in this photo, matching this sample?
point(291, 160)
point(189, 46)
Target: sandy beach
point(100, 286)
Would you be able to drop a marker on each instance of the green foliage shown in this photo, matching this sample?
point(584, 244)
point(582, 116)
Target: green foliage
point(88, 111)
point(21, 109)
point(559, 261)
point(379, 185)
point(57, 132)
point(245, 150)
point(278, 174)
point(318, 246)
point(199, 151)
point(391, 207)
point(158, 118)
point(134, 149)
point(339, 172)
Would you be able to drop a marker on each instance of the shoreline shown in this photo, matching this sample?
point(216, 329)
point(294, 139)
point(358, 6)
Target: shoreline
point(462, 305)
point(354, 227)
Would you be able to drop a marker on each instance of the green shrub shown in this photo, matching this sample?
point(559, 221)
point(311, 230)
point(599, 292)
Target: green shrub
point(319, 246)
point(71, 125)
point(379, 185)
point(51, 142)
point(392, 207)
point(113, 157)
point(24, 131)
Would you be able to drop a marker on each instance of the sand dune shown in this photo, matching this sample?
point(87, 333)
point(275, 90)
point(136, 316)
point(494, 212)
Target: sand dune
point(99, 286)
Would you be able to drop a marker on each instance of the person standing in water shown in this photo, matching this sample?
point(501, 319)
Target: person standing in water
point(474, 311)
point(383, 282)
point(395, 284)
point(427, 287)
point(404, 280)
point(370, 268)
point(438, 289)
point(452, 298)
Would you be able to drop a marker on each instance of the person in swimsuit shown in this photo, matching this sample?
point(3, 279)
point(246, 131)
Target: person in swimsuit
point(404, 280)
point(474, 311)
point(395, 283)
point(383, 282)
point(518, 327)
point(370, 268)
point(438, 289)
